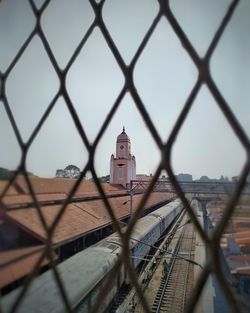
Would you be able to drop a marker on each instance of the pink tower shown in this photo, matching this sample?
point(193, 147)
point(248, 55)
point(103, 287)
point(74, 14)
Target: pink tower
point(122, 166)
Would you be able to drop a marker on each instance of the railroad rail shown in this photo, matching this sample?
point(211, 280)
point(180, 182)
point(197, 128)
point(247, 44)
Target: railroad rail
point(126, 297)
point(176, 287)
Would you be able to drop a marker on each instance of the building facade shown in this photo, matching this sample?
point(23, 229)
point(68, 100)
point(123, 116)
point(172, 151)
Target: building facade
point(122, 165)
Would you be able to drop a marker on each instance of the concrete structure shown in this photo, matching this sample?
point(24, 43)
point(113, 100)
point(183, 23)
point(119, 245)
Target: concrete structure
point(122, 165)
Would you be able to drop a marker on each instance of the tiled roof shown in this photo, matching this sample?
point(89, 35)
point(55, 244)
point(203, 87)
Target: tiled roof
point(58, 185)
point(20, 199)
point(245, 233)
point(72, 223)
point(21, 267)
point(243, 241)
point(243, 237)
point(79, 218)
point(242, 271)
point(240, 258)
point(11, 191)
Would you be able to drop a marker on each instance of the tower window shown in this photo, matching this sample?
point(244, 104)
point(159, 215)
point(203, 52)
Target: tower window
point(120, 172)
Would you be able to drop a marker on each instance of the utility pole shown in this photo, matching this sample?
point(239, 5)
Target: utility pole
point(131, 198)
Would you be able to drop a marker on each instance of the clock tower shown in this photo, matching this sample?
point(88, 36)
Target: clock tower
point(122, 165)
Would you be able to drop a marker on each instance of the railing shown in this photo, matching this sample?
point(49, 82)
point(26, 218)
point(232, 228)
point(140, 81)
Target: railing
point(202, 65)
point(192, 186)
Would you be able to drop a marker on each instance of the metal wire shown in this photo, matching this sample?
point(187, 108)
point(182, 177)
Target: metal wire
point(202, 65)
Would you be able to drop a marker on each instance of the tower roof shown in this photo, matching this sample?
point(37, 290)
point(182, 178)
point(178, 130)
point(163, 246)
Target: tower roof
point(123, 136)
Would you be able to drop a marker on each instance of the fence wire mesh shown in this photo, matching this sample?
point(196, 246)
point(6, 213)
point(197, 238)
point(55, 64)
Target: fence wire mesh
point(204, 78)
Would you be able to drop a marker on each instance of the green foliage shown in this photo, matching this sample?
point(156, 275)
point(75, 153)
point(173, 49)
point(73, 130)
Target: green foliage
point(5, 174)
point(104, 179)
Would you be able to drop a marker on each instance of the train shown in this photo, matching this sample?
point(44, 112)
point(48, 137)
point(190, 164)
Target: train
point(84, 274)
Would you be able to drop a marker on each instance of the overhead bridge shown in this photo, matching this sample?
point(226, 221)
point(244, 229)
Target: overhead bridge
point(197, 188)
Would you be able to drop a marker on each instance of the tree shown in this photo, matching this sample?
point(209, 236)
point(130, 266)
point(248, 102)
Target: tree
point(72, 171)
point(104, 179)
point(5, 174)
point(60, 173)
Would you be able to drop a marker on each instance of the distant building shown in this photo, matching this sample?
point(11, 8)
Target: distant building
point(184, 177)
point(206, 179)
point(122, 165)
point(144, 177)
point(235, 179)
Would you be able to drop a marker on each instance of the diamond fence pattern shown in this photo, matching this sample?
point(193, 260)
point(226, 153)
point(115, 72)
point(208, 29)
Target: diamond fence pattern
point(202, 65)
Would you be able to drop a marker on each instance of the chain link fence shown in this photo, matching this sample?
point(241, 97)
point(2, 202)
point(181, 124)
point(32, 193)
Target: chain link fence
point(165, 148)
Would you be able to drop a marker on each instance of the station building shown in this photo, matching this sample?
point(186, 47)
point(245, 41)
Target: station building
point(23, 238)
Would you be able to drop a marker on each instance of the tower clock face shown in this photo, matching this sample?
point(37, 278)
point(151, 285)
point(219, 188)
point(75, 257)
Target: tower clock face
point(121, 147)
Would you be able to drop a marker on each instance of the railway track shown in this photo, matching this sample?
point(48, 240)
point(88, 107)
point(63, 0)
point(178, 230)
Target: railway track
point(174, 289)
point(126, 294)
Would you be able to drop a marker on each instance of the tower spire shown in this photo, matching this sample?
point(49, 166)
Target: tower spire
point(123, 130)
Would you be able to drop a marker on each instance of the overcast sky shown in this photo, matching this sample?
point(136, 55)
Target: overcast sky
point(164, 77)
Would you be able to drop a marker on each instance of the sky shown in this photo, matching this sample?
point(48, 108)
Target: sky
point(164, 76)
